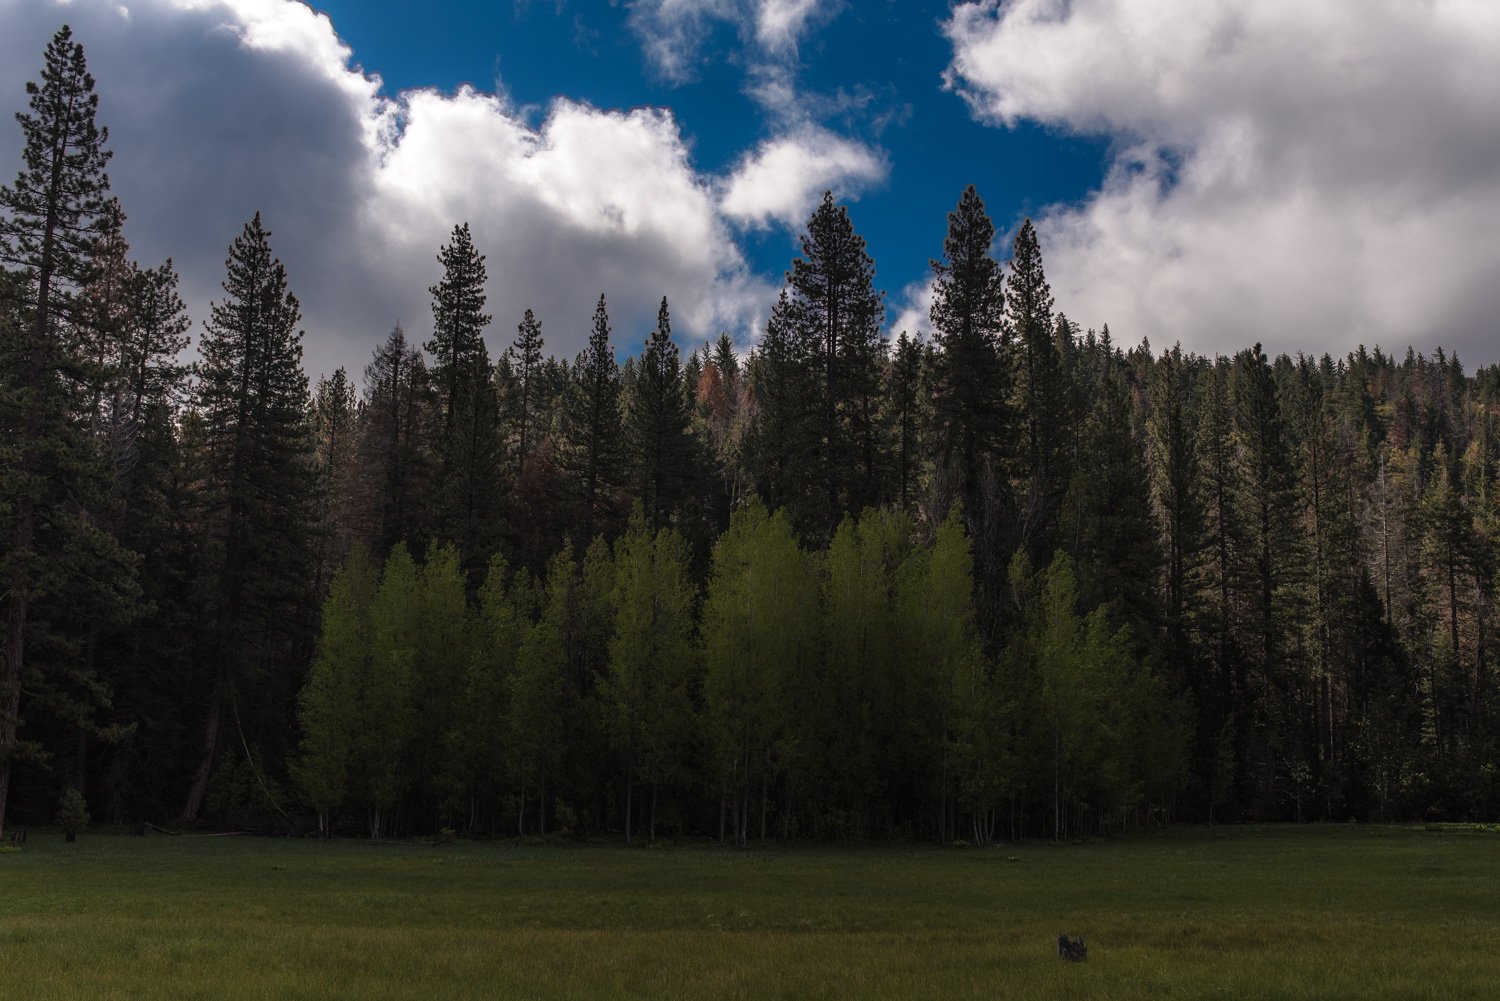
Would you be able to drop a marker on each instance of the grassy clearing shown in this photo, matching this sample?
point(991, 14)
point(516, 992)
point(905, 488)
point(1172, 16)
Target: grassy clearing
point(1365, 912)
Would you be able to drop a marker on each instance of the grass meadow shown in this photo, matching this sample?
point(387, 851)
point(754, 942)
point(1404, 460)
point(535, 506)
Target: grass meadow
point(1278, 912)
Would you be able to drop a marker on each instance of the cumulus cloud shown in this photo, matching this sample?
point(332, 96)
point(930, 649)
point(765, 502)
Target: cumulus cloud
point(1298, 174)
point(782, 180)
point(220, 108)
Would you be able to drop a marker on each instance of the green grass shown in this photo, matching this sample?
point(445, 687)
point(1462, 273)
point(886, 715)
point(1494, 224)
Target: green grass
point(1292, 912)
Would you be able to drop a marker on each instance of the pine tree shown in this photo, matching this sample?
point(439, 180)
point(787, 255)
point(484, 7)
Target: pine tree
point(1216, 576)
point(334, 416)
point(594, 426)
point(836, 309)
point(51, 218)
point(1266, 504)
point(469, 444)
point(395, 471)
point(1108, 525)
point(1173, 462)
point(257, 445)
point(1040, 395)
point(907, 414)
point(525, 357)
point(971, 391)
point(149, 511)
point(658, 426)
point(1447, 543)
point(458, 322)
point(783, 441)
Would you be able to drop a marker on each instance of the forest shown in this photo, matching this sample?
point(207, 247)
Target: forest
point(1000, 578)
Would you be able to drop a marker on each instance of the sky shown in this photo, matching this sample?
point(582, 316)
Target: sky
point(1311, 176)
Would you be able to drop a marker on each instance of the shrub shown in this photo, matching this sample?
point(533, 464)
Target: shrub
point(72, 814)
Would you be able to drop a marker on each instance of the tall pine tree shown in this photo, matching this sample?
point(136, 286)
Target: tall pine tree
point(658, 426)
point(256, 462)
point(593, 426)
point(837, 310)
point(51, 218)
point(469, 444)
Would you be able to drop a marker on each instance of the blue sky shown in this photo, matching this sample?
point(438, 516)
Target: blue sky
point(1214, 172)
point(881, 65)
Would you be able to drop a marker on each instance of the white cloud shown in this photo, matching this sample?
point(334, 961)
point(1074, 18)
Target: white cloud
point(783, 179)
point(1299, 174)
point(780, 23)
point(220, 108)
point(911, 311)
point(673, 32)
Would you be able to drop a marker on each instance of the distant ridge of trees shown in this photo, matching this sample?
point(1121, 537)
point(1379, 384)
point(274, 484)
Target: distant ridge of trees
point(1004, 579)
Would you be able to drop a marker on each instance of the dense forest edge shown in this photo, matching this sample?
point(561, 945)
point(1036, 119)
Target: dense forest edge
point(1006, 579)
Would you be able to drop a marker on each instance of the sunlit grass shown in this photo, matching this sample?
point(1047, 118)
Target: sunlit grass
point(1256, 913)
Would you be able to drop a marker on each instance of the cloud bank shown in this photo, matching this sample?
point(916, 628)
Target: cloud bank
point(220, 108)
point(1298, 174)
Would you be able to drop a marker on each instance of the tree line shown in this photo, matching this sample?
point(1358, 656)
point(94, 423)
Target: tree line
point(1002, 578)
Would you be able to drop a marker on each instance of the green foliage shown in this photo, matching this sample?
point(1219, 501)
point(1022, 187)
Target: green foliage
point(834, 312)
point(469, 442)
point(971, 399)
point(255, 454)
point(653, 665)
point(72, 814)
point(593, 427)
point(976, 711)
point(534, 722)
point(783, 447)
point(1096, 722)
point(328, 702)
point(1280, 572)
point(760, 630)
point(395, 468)
point(657, 423)
point(60, 567)
point(525, 357)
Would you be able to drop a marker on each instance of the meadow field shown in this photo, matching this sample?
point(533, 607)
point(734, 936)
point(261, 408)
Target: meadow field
point(1274, 912)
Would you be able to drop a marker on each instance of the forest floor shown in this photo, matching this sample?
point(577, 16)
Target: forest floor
point(1228, 912)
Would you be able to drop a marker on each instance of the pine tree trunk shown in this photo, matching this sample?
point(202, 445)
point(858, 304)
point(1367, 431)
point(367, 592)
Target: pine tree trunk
point(521, 815)
point(764, 799)
point(199, 788)
point(1057, 781)
point(735, 812)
